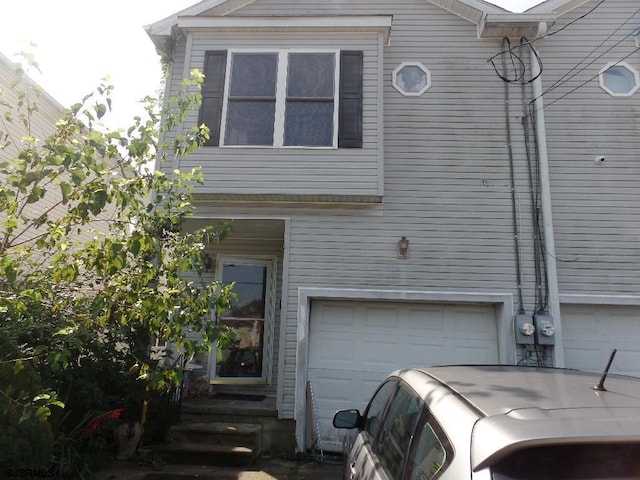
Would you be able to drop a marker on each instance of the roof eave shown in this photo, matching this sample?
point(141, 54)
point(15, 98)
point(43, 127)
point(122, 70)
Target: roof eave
point(558, 7)
point(377, 24)
point(517, 25)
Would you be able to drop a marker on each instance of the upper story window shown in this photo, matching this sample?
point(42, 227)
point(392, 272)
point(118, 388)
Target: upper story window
point(411, 78)
point(283, 98)
point(619, 79)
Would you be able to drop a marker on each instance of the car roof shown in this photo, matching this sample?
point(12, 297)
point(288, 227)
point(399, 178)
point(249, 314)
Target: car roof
point(519, 407)
point(498, 389)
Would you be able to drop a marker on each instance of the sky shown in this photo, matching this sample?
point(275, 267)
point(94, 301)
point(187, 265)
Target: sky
point(79, 42)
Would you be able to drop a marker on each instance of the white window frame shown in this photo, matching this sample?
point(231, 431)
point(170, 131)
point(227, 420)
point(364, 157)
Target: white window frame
point(623, 65)
point(411, 64)
point(281, 96)
point(269, 319)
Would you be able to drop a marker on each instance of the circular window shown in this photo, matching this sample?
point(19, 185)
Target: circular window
point(619, 79)
point(411, 79)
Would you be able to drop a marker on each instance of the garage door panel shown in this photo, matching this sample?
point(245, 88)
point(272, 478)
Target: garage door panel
point(333, 352)
point(420, 354)
point(373, 356)
point(629, 361)
point(471, 354)
point(333, 315)
point(591, 332)
point(378, 318)
point(382, 337)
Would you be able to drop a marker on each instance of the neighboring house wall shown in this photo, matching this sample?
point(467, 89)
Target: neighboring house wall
point(446, 186)
point(41, 124)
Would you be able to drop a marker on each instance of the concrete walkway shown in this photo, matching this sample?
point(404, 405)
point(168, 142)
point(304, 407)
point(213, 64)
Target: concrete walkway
point(265, 469)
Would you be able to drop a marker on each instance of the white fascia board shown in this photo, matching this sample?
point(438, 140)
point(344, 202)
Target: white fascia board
point(515, 18)
point(164, 26)
point(559, 7)
point(471, 10)
point(368, 23)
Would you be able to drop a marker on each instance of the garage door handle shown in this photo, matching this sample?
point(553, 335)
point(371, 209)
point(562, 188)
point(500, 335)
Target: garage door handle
point(352, 469)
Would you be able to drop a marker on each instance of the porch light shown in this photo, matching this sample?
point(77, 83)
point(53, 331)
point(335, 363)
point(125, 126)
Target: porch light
point(403, 248)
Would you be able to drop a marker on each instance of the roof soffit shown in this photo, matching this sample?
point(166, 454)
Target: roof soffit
point(379, 24)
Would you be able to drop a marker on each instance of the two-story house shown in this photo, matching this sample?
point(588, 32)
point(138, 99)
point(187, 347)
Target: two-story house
point(408, 187)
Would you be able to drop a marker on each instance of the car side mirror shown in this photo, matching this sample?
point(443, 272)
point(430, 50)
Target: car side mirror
point(348, 419)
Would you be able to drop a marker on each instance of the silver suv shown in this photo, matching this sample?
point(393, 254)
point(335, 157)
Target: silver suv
point(495, 422)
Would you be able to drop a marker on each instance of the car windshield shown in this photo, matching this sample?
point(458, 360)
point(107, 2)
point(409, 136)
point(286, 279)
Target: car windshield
point(555, 462)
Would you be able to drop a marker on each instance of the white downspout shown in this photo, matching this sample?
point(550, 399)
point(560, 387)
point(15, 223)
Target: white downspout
point(545, 192)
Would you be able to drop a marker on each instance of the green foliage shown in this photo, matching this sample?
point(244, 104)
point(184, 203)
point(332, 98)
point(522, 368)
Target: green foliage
point(25, 436)
point(94, 263)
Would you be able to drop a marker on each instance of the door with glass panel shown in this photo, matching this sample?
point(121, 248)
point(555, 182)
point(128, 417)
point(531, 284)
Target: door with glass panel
point(247, 358)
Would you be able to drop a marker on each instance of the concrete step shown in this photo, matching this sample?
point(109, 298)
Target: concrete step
point(196, 453)
point(217, 432)
point(212, 443)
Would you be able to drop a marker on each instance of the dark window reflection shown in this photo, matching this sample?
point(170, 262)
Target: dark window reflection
point(250, 290)
point(243, 358)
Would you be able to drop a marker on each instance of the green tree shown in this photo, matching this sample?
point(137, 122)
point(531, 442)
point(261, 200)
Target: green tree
point(62, 298)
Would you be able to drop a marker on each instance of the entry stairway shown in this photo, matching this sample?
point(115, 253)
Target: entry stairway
point(223, 432)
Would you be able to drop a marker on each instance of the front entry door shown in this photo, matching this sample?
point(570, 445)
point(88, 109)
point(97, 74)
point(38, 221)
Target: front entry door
point(248, 358)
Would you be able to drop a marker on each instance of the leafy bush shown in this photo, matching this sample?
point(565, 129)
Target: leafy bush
point(25, 436)
point(77, 314)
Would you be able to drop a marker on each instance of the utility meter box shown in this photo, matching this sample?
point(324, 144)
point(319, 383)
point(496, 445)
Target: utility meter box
point(545, 330)
point(524, 329)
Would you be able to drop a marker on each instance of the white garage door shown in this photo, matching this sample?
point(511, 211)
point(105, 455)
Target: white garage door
point(591, 332)
point(354, 345)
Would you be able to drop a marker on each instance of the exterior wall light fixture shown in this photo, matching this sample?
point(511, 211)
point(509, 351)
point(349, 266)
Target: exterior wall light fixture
point(403, 248)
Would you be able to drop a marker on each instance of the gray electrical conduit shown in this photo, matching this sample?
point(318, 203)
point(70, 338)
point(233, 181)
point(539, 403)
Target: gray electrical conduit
point(505, 43)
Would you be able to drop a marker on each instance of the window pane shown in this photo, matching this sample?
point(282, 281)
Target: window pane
point(397, 430)
point(311, 75)
point(250, 123)
point(309, 124)
point(429, 457)
point(561, 462)
point(249, 290)
point(254, 74)
point(619, 79)
point(376, 408)
point(411, 79)
point(243, 358)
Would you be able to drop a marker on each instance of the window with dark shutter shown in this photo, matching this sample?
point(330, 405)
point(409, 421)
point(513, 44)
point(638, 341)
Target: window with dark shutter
point(305, 99)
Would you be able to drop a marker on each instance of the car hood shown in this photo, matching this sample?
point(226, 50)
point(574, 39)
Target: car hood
point(497, 436)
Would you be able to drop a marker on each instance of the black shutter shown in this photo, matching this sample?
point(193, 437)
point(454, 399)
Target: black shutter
point(350, 113)
point(215, 65)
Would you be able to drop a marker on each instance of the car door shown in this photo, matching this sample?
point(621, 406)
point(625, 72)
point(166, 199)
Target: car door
point(361, 462)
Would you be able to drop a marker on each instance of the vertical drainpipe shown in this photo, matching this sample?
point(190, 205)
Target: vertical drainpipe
point(545, 192)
